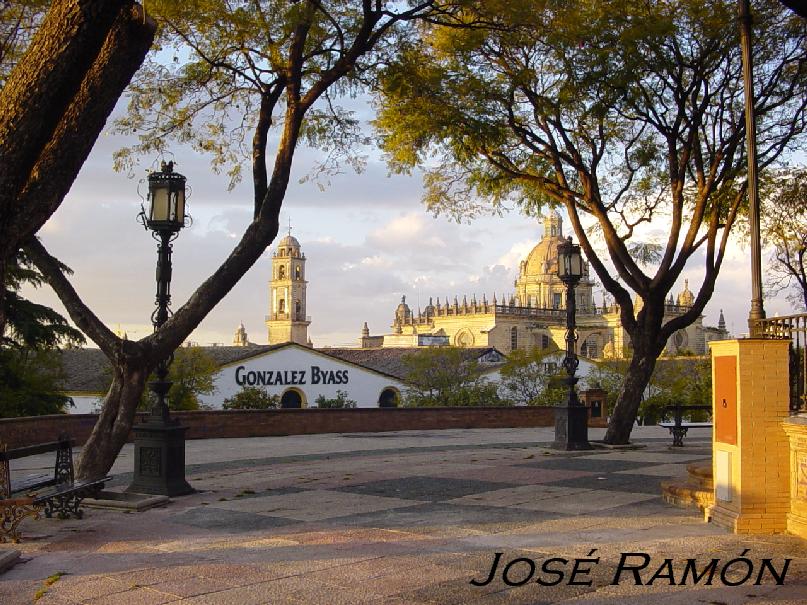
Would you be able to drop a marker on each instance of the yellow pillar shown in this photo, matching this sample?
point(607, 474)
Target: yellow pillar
point(796, 429)
point(750, 450)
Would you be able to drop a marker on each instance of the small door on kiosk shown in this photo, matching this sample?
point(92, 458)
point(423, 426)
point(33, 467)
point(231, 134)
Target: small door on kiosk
point(725, 403)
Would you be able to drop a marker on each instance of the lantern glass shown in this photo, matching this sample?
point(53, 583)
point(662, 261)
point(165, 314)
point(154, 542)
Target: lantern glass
point(178, 206)
point(570, 261)
point(160, 203)
point(167, 199)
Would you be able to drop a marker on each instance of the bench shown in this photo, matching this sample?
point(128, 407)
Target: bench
point(678, 428)
point(57, 492)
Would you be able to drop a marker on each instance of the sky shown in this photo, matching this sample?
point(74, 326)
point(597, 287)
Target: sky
point(367, 238)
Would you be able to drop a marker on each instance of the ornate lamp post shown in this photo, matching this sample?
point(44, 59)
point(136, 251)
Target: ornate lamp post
point(571, 418)
point(757, 311)
point(159, 465)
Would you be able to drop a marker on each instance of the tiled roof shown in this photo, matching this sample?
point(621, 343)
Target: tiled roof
point(88, 370)
point(390, 360)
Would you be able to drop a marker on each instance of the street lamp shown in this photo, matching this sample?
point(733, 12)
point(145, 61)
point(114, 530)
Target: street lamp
point(159, 465)
point(571, 418)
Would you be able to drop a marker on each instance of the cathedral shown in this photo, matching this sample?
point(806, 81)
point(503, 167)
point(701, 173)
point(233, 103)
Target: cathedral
point(534, 315)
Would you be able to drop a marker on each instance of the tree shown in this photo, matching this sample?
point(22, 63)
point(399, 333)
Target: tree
point(678, 381)
point(621, 113)
point(278, 65)
point(446, 376)
point(192, 373)
point(784, 228)
point(29, 383)
point(526, 376)
point(30, 369)
point(252, 398)
point(340, 401)
point(56, 96)
point(30, 325)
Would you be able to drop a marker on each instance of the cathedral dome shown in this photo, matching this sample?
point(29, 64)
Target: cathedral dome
point(543, 259)
point(403, 312)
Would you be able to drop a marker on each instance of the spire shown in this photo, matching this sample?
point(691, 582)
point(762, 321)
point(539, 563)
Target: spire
point(721, 323)
point(365, 331)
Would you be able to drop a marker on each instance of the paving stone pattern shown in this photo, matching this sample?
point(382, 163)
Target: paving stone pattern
point(397, 518)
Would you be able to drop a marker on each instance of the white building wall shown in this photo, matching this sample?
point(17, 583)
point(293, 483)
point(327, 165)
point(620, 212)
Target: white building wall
point(85, 404)
point(304, 370)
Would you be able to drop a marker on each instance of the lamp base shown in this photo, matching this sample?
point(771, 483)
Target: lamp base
point(159, 460)
point(571, 428)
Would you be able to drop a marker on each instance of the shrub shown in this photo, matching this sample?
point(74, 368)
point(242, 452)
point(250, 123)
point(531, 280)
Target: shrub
point(340, 401)
point(252, 398)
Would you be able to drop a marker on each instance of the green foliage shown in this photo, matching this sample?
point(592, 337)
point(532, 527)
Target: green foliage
point(192, 373)
point(679, 380)
point(340, 401)
point(31, 325)
point(220, 65)
point(684, 381)
point(29, 383)
point(444, 376)
point(527, 377)
point(252, 398)
point(30, 368)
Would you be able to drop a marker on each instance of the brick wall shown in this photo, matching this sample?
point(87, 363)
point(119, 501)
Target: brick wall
point(18, 432)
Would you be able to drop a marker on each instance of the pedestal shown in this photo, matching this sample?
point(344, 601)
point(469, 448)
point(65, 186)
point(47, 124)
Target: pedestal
point(571, 428)
point(159, 460)
point(751, 452)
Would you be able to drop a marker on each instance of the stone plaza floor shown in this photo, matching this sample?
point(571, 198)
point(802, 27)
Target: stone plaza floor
point(401, 518)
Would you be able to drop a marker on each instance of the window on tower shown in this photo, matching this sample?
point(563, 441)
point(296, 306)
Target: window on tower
point(298, 274)
point(281, 306)
point(281, 272)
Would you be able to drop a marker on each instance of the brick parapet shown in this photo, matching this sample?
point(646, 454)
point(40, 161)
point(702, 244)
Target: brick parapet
point(18, 432)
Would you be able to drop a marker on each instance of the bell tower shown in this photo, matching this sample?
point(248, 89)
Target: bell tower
point(287, 320)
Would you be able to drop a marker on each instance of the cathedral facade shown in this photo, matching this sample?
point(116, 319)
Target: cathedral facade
point(534, 315)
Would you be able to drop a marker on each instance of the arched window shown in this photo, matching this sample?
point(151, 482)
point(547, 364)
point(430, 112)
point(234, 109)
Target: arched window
point(298, 273)
point(292, 398)
point(513, 338)
point(298, 310)
point(281, 305)
point(281, 272)
point(389, 398)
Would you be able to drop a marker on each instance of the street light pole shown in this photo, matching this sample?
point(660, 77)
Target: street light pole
point(571, 418)
point(757, 311)
point(161, 386)
point(159, 457)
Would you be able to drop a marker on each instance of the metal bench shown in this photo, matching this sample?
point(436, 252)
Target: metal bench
point(29, 496)
point(678, 428)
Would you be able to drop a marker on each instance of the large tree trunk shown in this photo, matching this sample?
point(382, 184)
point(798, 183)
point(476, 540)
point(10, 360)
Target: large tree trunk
point(54, 105)
point(115, 421)
point(646, 349)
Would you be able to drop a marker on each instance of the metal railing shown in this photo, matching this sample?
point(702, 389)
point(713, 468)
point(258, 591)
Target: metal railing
point(794, 329)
